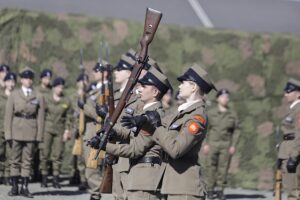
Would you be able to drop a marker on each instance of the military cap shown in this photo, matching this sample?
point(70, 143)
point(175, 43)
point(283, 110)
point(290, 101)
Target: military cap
point(292, 85)
point(58, 81)
point(82, 77)
point(10, 76)
point(131, 54)
point(100, 67)
point(4, 67)
point(46, 73)
point(27, 72)
point(126, 62)
point(222, 92)
point(198, 75)
point(157, 79)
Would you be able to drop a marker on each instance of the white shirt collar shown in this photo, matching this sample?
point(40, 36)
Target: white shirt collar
point(186, 105)
point(294, 103)
point(26, 90)
point(149, 104)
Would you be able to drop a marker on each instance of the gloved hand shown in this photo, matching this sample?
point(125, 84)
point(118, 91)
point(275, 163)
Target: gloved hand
point(148, 121)
point(94, 142)
point(101, 110)
point(109, 160)
point(133, 121)
point(80, 104)
point(291, 165)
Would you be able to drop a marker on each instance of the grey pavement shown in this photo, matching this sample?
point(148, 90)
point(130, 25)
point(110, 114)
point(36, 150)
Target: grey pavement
point(244, 15)
point(71, 193)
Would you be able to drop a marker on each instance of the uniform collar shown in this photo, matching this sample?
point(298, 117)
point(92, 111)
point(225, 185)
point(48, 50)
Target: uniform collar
point(25, 90)
point(149, 105)
point(186, 105)
point(294, 103)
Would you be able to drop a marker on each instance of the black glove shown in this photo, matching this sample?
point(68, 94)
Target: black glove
point(101, 110)
point(9, 142)
point(291, 165)
point(109, 160)
point(148, 121)
point(133, 121)
point(80, 104)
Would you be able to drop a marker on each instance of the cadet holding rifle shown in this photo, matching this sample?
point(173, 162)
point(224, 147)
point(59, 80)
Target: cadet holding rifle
point(182, 137)
point(152, 20)
point(24, 126)
point(289, 149)
point(146, 167)
point(93, 175)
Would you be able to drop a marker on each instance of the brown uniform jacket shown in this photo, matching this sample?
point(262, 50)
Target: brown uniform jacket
point(141, 176)
point(3, 99)
point(290, 125)
point(181, 139)
point(223, 128)
point(58, 114)
point(20, 128)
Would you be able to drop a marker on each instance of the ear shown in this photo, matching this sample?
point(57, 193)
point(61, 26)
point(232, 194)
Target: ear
point(155, 92)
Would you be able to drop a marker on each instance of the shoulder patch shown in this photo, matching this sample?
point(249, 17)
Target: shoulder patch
point(193, 127)
point(200, 119)
point(298, 119)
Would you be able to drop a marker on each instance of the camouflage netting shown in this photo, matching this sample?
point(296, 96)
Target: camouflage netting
point(254, 67)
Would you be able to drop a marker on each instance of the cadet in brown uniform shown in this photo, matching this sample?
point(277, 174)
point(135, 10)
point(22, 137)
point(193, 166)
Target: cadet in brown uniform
point(93, 176)
point(181, 139)
point(222, 138)
point(24, 124)
point(58, 114)
point(146, 167)
point(45, 82)
point(5, 147)
point(289, 149)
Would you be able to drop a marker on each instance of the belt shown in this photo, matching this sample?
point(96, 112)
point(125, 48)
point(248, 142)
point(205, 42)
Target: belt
point(152, 160)
point(25, 115)
point(289, 136)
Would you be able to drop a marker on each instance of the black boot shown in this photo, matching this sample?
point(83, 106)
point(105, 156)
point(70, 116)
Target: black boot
point(220, 195)
point(44, 181)
point(56, 182)
point(14, 189)
point(7, 181)
point(24, 188)
point(83, 186)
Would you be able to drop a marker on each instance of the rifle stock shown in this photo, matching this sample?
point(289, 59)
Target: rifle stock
point(152, 21)
point(278, 184)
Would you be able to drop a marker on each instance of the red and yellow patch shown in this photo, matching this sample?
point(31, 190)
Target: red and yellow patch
point(200, 119)
point(193, 127)
point(298, 119)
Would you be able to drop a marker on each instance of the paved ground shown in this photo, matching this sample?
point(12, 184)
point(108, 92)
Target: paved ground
point(245, 15)
point(71, 193)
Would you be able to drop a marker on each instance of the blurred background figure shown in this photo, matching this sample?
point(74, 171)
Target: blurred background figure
point(221, 141)
point(4, 69)
point(5, 146)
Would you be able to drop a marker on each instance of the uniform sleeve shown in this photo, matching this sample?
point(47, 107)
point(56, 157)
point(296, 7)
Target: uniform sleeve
point(296, 142)
point(41, 119)
point(9, 111)
point(178, 144)
point(69, 117)
point(90, 109)
point(122, 133)
point(138, 147)
point(236, 132)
